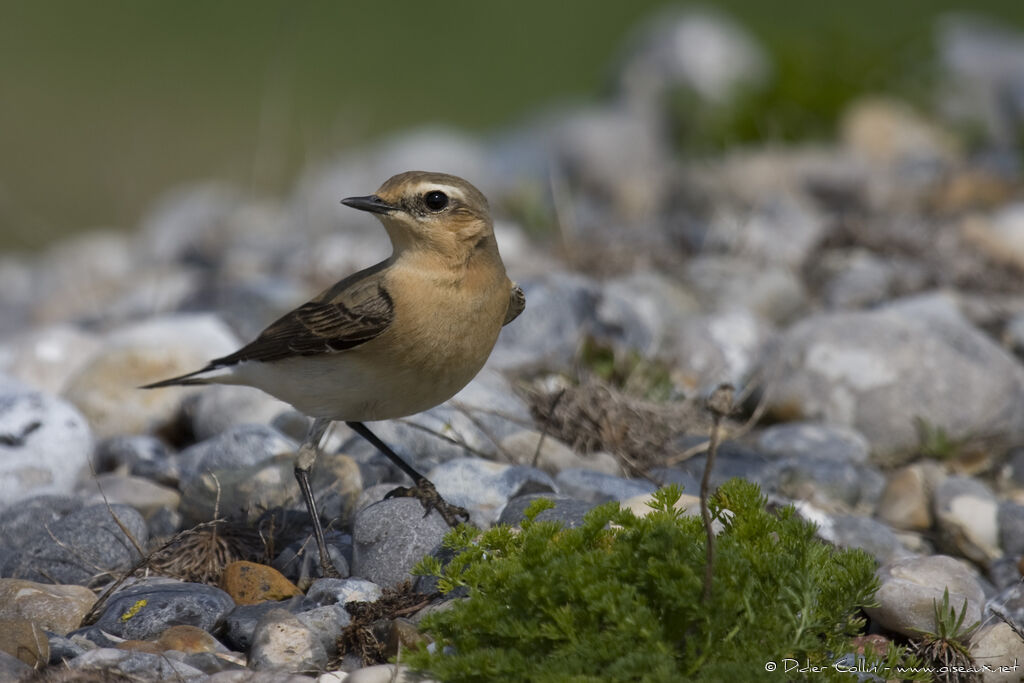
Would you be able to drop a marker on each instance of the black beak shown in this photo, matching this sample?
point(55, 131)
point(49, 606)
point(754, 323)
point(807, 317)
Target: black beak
point(371, 203)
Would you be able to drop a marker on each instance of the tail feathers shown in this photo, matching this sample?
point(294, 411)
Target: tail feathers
point(189, 379)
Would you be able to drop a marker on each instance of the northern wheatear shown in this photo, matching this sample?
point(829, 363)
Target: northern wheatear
point(391, 340)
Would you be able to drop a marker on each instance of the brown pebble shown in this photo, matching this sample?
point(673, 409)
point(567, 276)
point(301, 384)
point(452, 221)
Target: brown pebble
point(249, 583)
point(187, 639)
point(26, 641)
point(140, 646)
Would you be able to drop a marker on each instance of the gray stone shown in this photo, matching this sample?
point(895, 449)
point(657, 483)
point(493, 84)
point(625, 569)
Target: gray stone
point(880, 371)
point(636, 311)
point(905, 502)
point(827, 484)
point(27, 520)
point(720, 347)
point(730, 283)
point(326, 624)
point(1009, 604)
point(45, 443)
point(240, 622)
point(1000, 650)
point(568, 511)
point(241, 446)
point(1004, 572)
point(390, 537)
point(145, 610)
point(559, 311)
point(733, 460)
point(875, 538)
point(282, 642)
point(1011, 527)
point(596, 487)
point(386, 673)
point(232, 409)
point(833, 443)
point(966, 513)
point(136, 665)
point(484, 487)
point(528, 447)
point(911, 587)
point(62, 648)
point(137, 492)
point(141, 454)
point(45, 358)
point(300, 559)
point(856, 278)
point(79, 546)
point(340, 591)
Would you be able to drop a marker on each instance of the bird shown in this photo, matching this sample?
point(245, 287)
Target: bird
point(391, 340)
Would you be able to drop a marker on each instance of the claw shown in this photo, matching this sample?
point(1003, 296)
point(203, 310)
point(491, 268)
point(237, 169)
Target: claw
point(425, 492)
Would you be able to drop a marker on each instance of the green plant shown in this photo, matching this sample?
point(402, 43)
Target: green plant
point(946, 647)
point(619, 597)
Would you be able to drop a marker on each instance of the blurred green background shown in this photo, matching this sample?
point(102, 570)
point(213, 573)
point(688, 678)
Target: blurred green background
point(105, 104)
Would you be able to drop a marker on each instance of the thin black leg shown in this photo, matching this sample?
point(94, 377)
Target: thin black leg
point(423, 489)
point(303, 463)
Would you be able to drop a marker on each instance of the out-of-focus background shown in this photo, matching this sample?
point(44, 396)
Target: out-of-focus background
point(105, 105)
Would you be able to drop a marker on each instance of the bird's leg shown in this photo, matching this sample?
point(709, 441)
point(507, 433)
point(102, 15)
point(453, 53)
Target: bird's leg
point(422, 489)
point(303, 463)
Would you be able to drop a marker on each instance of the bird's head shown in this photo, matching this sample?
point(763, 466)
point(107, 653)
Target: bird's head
point(434, 211)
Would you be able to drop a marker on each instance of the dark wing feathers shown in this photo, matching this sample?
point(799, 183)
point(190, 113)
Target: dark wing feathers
point(516, 304)
point(340, 318)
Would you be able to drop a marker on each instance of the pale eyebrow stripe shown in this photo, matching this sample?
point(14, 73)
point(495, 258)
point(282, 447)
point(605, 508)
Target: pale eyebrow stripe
point(450, 190)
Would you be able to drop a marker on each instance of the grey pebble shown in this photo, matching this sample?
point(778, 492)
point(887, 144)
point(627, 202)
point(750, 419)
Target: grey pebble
point(136, 665)
point(484, 487)
point(145, 610)
point(240, 446)
point(282, 642)
point(567, 510)
point(390, 537)
point(597, 487)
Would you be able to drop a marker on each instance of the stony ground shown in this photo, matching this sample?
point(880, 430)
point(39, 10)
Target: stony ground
point(864, 296)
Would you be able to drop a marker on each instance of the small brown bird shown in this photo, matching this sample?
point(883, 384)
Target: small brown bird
point(394, 339)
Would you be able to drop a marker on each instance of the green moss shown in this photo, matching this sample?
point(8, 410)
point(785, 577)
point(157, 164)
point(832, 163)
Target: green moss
point(619, 598)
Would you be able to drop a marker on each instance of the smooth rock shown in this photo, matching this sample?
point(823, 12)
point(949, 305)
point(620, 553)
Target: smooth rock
point(568, 511)
point(136, 665)
point(596, 487)
point(834, 443)
point(56, 608)
point(240, 446)
point(147, 609)
point(1011, 528)
point(45, 358)
point(997, 646)
point(282, 641)
point(188, 639)
point(484, 487)
point(299, 561)
point(911, 587)
point(25, 521)
point(966, 512)
point(719, 347)
point(905, 502)
point(78, 547)
point(879, 371)
point(45, 443)
point(638, 311)
point(729, 283)
point(871, 536)
point(240, 623)
point(137, 492)
point(221, 407)
point(527, 447)
point(326, 624)
point(245, 492)
point(23, 639)
point(829, 485)
point(385, 673)
point(142, 455)
point(340, 591)
point(391, 536)
point(12, 668)
point(106, 388)
point(1008, 604)
point(249, 583)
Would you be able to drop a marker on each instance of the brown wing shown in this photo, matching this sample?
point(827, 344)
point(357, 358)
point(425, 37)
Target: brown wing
point(350, 313)
point(516, 304)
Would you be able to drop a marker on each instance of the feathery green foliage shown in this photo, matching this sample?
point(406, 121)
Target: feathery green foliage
point(619, 597)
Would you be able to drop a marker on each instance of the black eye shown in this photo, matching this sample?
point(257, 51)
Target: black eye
point(435, 200)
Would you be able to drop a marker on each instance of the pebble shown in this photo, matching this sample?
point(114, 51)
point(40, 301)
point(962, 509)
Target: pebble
point(188, 639)
point(136, 492)
point(23, 639)
point(45, 443)
point(220, 408)
point(12, 668)
point(597, 487)
point(141, 455)
point(147, 609)
point(300, 559)
point(386, 673)
point(771, 293)
point(240, 622)
point(1011, 527)
point(997, 645)
point(484, 487)
point(136, 665)
point(905, 502)
point(326, 623)
point(44, 359)
point(568, 511)
point(719, 347)
point(966, 513)
point(249, 583)
point(834, 443)
point(282, 642)
point(1008, 604)
point(910, 588)
point(56, 608)
point(391, 536)
point(106, 390)
point(340, 591)
point(875, 538)
point(239, 446)
point(78, 547)
point(553, 456)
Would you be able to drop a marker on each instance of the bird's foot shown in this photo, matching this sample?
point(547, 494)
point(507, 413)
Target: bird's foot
point(428, 496)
